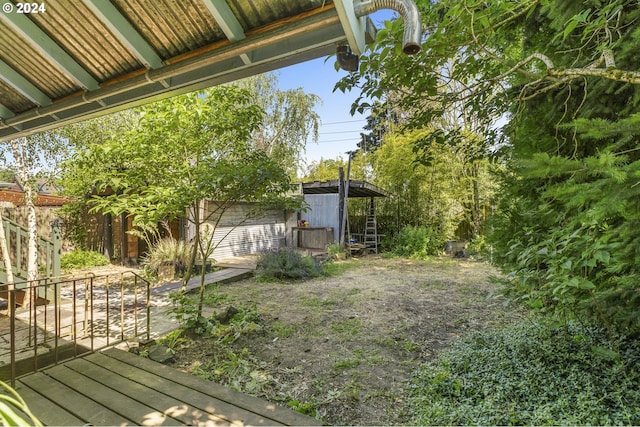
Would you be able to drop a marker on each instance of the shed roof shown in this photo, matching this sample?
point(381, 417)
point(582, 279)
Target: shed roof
point(356, 188)
point(63, 61)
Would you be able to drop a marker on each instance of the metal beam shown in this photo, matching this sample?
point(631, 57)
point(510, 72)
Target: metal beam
point(354, 27)
point(50, 49)
point(125, 32)
point(228, 22)
point(22, 85)
point(5, 113)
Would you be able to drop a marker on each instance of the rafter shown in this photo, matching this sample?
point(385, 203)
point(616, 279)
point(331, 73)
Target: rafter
point(228, 23)
point(125, 32)
point(50, 49)
point(22, 85)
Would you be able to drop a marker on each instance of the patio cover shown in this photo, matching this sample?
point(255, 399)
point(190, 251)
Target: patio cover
point(63, 61)
point(356, 188)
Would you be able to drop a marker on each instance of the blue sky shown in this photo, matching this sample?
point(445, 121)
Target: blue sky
point(340, 132)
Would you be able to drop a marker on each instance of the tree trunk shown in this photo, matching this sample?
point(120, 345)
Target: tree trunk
point(6, 258)
point(194, 251)
point(107, 234)
point(32, 245)
point(19, 151)
point(477, 217)
point(124, 244)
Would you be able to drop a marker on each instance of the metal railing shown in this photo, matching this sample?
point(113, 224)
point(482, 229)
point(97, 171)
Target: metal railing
point(79, 315)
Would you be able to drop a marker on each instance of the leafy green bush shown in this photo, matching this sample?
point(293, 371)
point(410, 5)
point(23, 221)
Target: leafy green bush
point(287, 264)
point(531, 374)
point(225, 327)
point(566, 233)
point(415, 242)
point(335, 249)
point(167, 251)
point(479, 248)
point(82, 259)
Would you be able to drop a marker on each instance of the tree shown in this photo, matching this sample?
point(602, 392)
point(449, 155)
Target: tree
point(30, 159)
point(187, 150)
point(378, 123)
point(422, 193)
point(499, 60)
point(563, 76)
point(78, 183)
point(327, 169)
point(289, 121)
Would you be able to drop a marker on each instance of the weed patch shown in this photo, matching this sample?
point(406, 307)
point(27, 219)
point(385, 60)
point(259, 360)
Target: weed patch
point(347, 327)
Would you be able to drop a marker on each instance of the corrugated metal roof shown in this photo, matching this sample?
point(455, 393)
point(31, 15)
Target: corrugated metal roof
point(32, 65)
point(171, 27)
point(68, 60)
point(71, 24)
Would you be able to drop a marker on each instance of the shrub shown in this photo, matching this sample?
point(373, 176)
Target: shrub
point(531, 374)
point(287, 264)
point(226, 327)
point(415, 242)
point(167, 251)
point(479, 248)
point(335, 249)
point(82, 259)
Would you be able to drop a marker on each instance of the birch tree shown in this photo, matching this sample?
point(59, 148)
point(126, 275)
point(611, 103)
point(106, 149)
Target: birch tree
point(31, 159)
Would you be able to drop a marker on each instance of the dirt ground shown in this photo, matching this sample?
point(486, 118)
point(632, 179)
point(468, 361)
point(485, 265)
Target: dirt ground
point(344, 348)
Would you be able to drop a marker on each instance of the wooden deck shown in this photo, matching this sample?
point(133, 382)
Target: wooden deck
point(118, 388)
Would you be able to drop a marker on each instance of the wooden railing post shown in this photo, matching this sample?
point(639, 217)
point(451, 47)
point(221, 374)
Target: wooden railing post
point(56, 239)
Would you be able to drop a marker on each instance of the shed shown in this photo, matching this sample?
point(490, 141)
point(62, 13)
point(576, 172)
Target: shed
point(326, 202)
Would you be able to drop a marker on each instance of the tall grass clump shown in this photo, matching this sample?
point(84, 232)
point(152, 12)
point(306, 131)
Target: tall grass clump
point(415, 242)
point(531, 374)
point(287, 264)
point(167, 251)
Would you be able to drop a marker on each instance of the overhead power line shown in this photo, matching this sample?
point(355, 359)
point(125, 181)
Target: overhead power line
point(342, 131)
point(348, 121)
point(339, 140)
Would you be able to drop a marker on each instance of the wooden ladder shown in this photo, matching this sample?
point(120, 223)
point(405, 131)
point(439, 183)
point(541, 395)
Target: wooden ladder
point(371, 229)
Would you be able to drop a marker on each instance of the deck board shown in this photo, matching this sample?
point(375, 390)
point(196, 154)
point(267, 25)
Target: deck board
point(49, 413)
point(130, 409)
point(220, 412)
point(175, 408)
point(269, 413)
point(80, 406)
point(225, 275)
point(118, 388)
